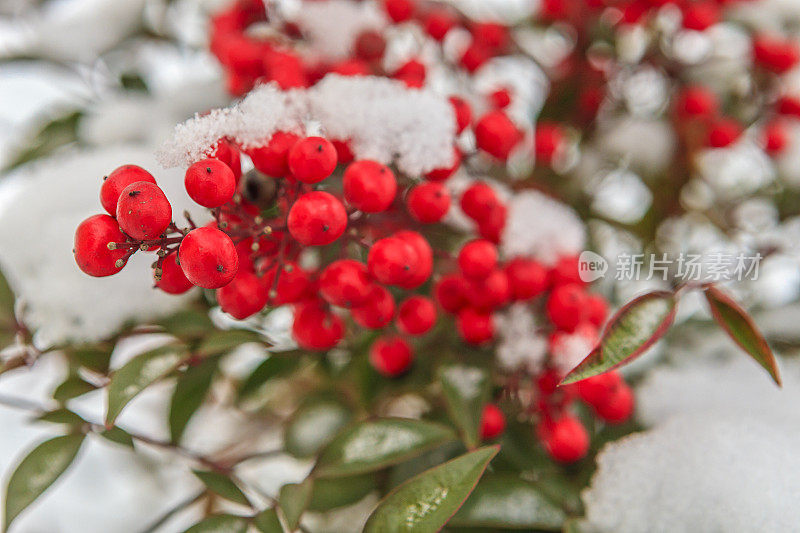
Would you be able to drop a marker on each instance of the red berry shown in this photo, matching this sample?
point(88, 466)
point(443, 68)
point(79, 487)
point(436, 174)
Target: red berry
point(463, 113)
point(491, 227)
point(566, 270)
point(116, 181)
point(272, 158)
point(143, 211)
point(723, 132)
point(392, 261)
point(700, 16)
point(566, 440)
point(227, 152)
point(345, 283)
point(451, 292)
point(369, 186)
point(317, 218)
point(597, 389)
point(312, 159)
point(377, 312)
point(294, 284)
point(477, 259)
point(91, 246)
point(492, 35)
point(412, 73)
point(316, 328)
point(500, 98)
point(425, 259)
point(490, 292)
point(416, 315)
point(475, 56)
point(343, 153)
point(475, 326)
point(775, 54)
point(596, 309)
point(391, 356)
point(478, 201)
point(428, 202)
point(370, 45)
point(210, 183)
point(775, 138)
point(617, 407)
point(351, 67)
point(441, 174)
point(244, 296)
point(493, 422)
point(208, 258)
point(399, 10)
point(173, 280)
point(496, 135)
point(697, 101)
point(566, 305)
point(549, 139)
point(526, 278)
point(438, 22)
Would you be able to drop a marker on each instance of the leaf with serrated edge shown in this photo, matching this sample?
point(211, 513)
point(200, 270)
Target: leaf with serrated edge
point(138, 373)
point(507, 502)
point(375, 444)
point(466, 390)
point(629, 333)
point(426, 502)
point(37, 471)
point(220, 523)
point(294, 499)
point(740, 327)
point(222, 485)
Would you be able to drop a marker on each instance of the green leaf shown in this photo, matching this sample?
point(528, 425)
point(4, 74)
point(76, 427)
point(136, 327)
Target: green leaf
point(190, 392)
point(118, 436)
point(313, 426)
point(72, 387)
point(294, 499)
point(330, 493)
point(61, 416)
point(273, 367)
point(629, 333)
point(507, 502)
point(42, 466)
point(741, 328)
point(188, 323)
point(94, 358)
point(222, 485)
point(6, 299)
point(222, 342)
point(376, 444)
point(467, 390)
point(426, 502)
point(137, 374)
point(220, 523)
point(267, 521)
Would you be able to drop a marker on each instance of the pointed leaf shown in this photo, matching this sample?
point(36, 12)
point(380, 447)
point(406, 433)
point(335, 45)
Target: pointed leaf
point(375, 444)
point(741, 328)
point(190, 392)
point(267, 521)
point(467, 390)
point(426, 502)
point(275, 366)
point(220, 523)
point(507, 502)
point(332, 492)
point(629, 333)
point(72, 387)
point(42, 466)
point(61, 416)
point(222, 486)
point(118, 436)
point(313, 426)
point(137, 374)
point(294, 499)
point(222, 342)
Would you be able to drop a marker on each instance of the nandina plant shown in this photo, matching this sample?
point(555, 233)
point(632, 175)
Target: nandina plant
point(390, 219)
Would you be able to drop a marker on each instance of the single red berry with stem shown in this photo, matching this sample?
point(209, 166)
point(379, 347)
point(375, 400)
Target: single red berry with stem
point(391, 356)
point(272, 158)
point(345, 283)
point(496, 134)
point(477, 259)
point(143, 211)
point(312, 159)
point(478, 201)
point(475, 326)
point(315, 327)
point(91, 250)
point(526, 278)
point(210, 182)
point(378, 310)
point(244, 296)
point(493, 422)
point(451, 292)
point(566, 440)
point(208, 258)
point(428, 202)
point(416, 315)
point(369, 186)
point(120, 178)
point(392, 261)
point(317, 218)
point(173, 280)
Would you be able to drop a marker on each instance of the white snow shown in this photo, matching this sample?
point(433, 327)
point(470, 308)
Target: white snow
point(382, 119)
point(519, 345)
point(332, 27)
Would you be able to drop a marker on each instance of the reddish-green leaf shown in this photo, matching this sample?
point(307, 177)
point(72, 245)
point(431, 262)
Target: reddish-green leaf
point(631, 331)
point(426, 502)
point(740, 327)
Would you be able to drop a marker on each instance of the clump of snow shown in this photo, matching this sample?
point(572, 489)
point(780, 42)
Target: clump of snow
point(519, 345)
point(541, 227)
point(332, 27)
point(40, 207)
point(704, 472)
point(382, 119)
